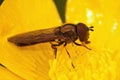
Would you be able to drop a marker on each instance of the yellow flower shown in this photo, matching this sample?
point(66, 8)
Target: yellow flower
point(37, 62)
point(102, 62)
point(29, 63)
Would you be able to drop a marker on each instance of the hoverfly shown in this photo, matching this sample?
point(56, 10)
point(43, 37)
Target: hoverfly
point(62, 35)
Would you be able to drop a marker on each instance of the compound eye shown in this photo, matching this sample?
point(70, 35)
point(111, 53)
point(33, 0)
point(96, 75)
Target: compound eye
point(82, 26)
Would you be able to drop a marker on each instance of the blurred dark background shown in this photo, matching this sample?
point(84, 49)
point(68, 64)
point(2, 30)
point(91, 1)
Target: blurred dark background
point(61, 6)
point(1, 1)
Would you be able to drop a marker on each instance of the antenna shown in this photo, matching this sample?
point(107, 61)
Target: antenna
point(91, 28)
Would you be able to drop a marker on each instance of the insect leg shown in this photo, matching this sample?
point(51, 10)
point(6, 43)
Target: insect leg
point(54, 47)
point(2, 65)
point(83, 44)
point(68, 54)
point(77, 43)
point(70, 57)
point(65, 44)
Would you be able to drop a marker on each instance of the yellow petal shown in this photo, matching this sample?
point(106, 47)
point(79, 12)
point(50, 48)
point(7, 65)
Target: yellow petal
point(6, 74)
point(30, 63)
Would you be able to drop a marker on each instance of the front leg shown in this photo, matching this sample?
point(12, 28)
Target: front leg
point(54, 47)
point(83, 44)
point(77, 43)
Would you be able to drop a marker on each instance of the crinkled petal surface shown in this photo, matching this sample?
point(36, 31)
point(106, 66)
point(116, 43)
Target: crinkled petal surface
point(102, 62)
point(18, 16)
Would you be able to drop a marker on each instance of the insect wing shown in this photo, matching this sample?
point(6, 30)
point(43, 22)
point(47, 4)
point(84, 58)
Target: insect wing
point(34, 37)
